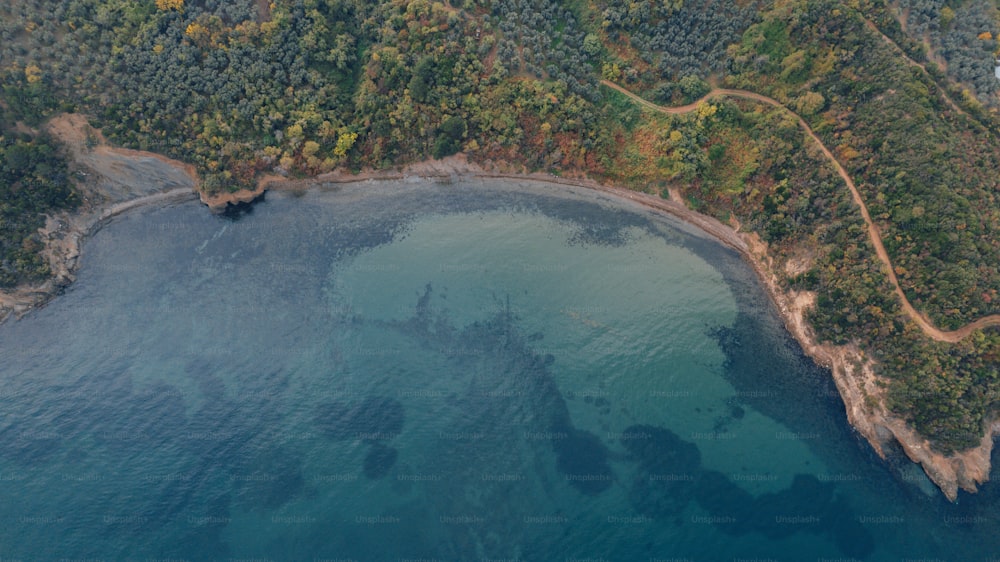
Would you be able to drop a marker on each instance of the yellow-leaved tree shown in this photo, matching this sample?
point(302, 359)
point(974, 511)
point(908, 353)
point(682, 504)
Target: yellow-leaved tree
point(33, 74)
point(170, 4)
point(344, 143)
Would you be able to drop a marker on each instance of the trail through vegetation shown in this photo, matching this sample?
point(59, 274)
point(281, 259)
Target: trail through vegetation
point(928, 328)
point(909, 60)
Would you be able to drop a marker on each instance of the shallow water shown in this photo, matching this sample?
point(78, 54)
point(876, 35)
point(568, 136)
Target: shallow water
point(472, 371)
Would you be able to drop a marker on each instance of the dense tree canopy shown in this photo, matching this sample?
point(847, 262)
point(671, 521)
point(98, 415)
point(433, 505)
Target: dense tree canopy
point(962, 35)
point(33, 179)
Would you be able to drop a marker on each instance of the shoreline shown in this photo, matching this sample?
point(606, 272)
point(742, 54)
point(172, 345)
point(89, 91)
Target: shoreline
point(65, 235)
point(852, 371)
point(111, 181)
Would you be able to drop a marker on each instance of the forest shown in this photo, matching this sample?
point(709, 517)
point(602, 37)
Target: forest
point(903, 93)
point(962, 36)
point(34, 179)
point(670, 42)
point(932, 195)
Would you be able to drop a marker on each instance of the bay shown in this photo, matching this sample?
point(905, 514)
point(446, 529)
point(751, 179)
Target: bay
point(478, 370)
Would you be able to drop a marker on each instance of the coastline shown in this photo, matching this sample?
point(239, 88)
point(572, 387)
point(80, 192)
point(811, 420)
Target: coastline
point(852, 371)
point(863, 394)
point(110, 181)
point(65, 235)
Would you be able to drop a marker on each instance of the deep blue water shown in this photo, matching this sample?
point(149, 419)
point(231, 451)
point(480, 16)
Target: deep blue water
point(473, 371)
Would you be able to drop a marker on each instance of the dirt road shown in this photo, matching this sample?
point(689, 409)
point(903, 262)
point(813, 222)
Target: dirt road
point(928, 328)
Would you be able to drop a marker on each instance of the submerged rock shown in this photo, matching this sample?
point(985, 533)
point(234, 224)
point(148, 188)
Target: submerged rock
point(376, 419)
point(379, 460)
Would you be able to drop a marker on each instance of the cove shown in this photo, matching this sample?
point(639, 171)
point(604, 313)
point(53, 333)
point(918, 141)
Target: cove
point(475, 370)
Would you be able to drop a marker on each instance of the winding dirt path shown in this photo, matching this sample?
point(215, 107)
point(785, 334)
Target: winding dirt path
point(928, 328)
point(895, 46)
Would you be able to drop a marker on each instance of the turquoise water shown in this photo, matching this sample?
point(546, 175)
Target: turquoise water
point(402, 371)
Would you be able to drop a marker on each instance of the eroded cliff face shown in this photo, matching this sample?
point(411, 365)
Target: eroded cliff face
point(864, 396)
point(110, 181)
